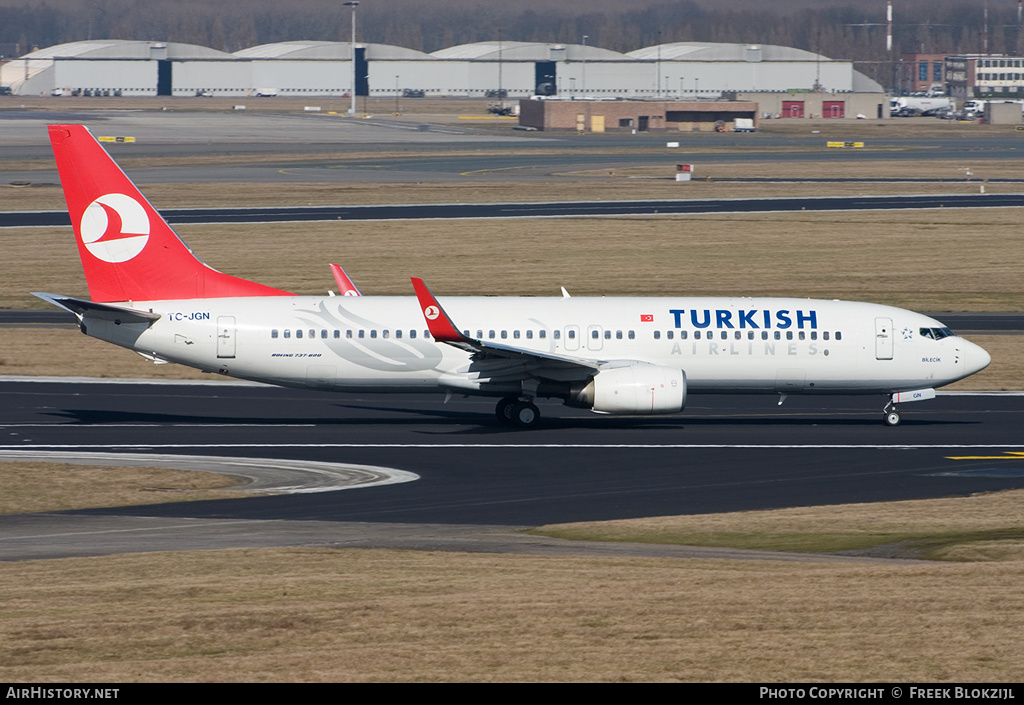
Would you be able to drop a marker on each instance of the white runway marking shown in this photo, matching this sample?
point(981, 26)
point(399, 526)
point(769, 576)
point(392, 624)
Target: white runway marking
point(652, 446)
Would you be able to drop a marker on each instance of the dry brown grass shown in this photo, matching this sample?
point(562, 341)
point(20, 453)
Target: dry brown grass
point(963, 528)
point(48, 487)
point(559, 184)
point(957, 259)
point(280, 615)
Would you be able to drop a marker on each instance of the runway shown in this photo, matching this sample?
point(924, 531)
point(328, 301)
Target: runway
point(724, 453)
point(545, 210)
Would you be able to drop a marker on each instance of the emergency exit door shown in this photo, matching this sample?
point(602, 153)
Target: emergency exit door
point(225, 336)
point(883, 338)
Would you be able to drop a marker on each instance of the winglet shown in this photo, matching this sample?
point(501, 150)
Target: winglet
point(440, 325)
point(345, 285)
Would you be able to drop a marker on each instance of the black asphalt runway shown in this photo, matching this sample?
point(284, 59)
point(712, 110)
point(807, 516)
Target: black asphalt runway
point(722, 454)
point(545, 210)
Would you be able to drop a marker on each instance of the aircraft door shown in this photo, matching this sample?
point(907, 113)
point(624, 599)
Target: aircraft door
point(883, 338)
point(594, 340)
point(572, 338)
point(225, 336)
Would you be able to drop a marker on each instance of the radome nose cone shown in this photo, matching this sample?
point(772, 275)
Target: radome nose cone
point(976, 358)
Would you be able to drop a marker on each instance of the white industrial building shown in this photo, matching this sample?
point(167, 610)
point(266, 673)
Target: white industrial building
point(516, 69)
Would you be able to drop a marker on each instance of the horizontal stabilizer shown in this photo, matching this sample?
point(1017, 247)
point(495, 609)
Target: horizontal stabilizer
point(81, 307)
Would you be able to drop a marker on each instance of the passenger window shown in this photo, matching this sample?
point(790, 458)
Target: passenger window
point(312, 333)
point(682, 335)
point(839, 335)
point(490, 334)
point(801, 335)
point(632, 335)
point(273, 333)
point(398, 333)
point(608, 335)
point(529, 335)
point(696, 335)
point(323, 333)
point(298, 333)
point(724, 335)
point(789, 335)
point(543, 334)
point(764, 335)
point(738, 335)
point(479, 335)
point(572, 335)
point(362, 333)
point(778, 335)
point(593, 334)
point(337, 333)
point(384, 333)
point(504, 334)
point(814, 335)
point(412, 333)
point(373, 333)
point(515, 334)
point(287, 333)
point(669, 335)
point(824, 336)
point(750, 335)
point(657, 335)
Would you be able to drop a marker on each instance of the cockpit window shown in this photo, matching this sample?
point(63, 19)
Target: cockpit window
point(936, 333)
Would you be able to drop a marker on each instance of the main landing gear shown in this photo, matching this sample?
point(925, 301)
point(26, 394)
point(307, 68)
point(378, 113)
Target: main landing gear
point(521, 413)
point(892, 416)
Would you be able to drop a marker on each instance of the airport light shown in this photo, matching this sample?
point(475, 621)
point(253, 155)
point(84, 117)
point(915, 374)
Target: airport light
point(353, 5)
point(584, 81)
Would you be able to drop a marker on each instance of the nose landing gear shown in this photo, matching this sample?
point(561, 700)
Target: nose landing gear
point(892, 416)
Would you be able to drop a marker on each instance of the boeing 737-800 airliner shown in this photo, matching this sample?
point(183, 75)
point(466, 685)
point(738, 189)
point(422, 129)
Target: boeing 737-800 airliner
point(150, 294)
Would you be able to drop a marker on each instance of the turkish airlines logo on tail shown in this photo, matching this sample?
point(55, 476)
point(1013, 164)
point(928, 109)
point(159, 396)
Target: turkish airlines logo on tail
point(115, 228)
point(431, 312)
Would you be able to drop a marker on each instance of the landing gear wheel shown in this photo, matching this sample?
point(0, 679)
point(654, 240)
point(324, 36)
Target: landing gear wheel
point(892, 418)
point(525, 414)
point(504, 408)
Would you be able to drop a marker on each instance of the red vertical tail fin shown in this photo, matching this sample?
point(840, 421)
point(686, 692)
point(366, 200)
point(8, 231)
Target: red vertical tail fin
point(128, 251)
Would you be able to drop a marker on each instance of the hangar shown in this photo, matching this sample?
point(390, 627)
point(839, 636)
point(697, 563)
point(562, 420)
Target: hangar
point(676, 71)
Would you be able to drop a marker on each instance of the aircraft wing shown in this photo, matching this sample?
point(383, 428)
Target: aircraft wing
point(532, 362)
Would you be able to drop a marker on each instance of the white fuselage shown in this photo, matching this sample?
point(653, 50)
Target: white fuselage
point(724, 345)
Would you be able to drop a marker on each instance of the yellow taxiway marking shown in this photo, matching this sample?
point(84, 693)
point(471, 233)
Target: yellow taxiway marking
point(1007, 455)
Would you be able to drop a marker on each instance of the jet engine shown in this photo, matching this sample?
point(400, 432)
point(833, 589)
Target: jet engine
point(635, 389)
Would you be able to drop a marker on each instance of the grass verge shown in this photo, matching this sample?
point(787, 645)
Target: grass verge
point(53, 487)
point(980, 527)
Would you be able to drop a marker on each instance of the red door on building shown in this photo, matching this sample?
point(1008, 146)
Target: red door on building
point(833, 108)
point(793, 108)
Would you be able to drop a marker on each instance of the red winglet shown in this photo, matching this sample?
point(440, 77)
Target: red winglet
point(440, 325)
point(345, 285)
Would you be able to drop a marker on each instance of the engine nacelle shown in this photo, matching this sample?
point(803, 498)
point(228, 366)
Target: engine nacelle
point(635, 389)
